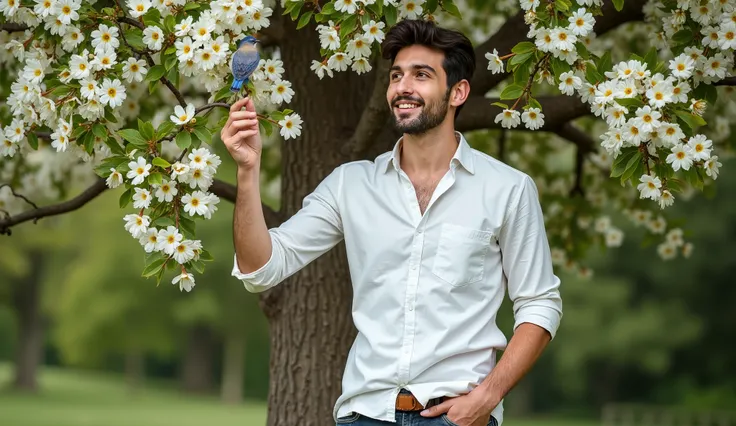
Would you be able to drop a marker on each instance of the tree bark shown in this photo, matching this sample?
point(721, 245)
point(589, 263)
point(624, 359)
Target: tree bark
point(197, 374)
point(233, 368)
point(311, 329)
point(29, 352)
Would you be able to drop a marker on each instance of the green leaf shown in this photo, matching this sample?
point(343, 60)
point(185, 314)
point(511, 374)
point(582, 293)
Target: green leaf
point(524, 47)
point(169, 23)
point(674, 185)
point(198, 266)
point(582, 50)
point(191, 6)
point(154, 267)
point(450, 8)
point(390, 13)
point(652, 58)
point(170, 62)
point(605, 64)
point(684, 36)
point(183, 139)
point(560, 67)
point(187, 226)
point(267, 126)
point(348, 25)
point(562, 5)
point(533, 103)
point(295, 11)
point(134, 36)
point(520, 58)
point(110, 116)
point(164, 129)
point(155, 179)
point(146, 129)
point(592, 74)
point(152, 17)
point(114, 146)
point(500, 105)
point(431, 6)
point(88, 140)
point(32, 140)
point(329, 8)
point(631, 166)
point(304, 20)
point(205, 256)
point(630, 102)
point(155, 73)
point(100, 130)
point(158, 161)
point(126, 197)
point(522, 73)
point(203, 134)
point(692, 120)
point(512, 91)
point(620, 163)
point(163, 222)
point(618, 4)
point(133, 136)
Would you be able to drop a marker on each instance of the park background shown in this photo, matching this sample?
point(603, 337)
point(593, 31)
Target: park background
point(116, 349)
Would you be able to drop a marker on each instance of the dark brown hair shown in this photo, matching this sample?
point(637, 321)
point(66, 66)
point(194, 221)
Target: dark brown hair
point(459, 62)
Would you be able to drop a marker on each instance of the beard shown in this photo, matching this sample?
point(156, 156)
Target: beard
point(431, 115)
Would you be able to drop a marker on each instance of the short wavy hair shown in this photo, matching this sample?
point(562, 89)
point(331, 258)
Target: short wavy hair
point(459, 62)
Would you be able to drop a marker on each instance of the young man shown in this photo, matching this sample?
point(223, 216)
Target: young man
point(435, 232)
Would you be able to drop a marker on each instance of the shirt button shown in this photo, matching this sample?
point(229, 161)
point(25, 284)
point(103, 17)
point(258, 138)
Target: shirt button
point(411, 307)
point(414, 267)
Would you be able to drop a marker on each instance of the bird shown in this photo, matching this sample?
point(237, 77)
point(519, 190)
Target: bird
point(244, 62)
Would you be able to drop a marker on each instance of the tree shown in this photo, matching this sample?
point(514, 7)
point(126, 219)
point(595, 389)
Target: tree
point(341, 116)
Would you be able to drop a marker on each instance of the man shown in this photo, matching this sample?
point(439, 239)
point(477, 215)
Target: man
point(434, 230)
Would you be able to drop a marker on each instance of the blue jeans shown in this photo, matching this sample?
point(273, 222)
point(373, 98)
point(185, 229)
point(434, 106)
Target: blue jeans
point(403, 418)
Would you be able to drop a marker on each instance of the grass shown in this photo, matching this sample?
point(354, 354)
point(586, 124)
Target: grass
point(74, 398)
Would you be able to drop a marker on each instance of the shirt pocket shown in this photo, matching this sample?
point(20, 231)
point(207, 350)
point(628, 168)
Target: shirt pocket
point(461, 254)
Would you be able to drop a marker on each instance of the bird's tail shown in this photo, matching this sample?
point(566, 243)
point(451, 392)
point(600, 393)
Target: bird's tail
point(237, 85)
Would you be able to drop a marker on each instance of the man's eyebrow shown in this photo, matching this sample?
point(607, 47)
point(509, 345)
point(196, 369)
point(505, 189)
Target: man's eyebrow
point(415, 67)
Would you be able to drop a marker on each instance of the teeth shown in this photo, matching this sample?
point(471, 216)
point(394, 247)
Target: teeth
point(406, 106)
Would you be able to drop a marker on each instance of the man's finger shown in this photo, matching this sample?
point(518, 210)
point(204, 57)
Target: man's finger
point(243, 124)
point(436, 410)
point(239, 115)
point(238, 105)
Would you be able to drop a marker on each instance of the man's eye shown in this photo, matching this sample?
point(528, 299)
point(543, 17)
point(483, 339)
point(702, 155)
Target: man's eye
point(394, 76)
point(422, 74)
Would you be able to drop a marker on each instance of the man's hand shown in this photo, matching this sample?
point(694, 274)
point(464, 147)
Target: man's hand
point(241, 134)
point(472, 409)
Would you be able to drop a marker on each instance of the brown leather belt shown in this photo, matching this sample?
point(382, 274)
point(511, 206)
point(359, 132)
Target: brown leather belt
point(407, 402)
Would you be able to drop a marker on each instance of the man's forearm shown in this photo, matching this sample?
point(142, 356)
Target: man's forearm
point(524, 348)
point(251, 238)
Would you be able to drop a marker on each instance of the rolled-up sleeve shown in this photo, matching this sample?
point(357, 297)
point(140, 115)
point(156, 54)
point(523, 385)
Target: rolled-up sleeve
point(312, 231)
point(532, 285)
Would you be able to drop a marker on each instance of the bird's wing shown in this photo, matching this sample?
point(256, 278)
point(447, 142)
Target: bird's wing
point(244, 64)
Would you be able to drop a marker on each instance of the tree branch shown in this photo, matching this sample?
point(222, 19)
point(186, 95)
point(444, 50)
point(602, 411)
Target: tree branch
point(728, 81)
point(228, 192)
point(584, 142)
point(21, 196)
point(479, 114)
point(12, 27)
point(374, 116)
point(131, 21)
point(55, 209)
point(514, 30)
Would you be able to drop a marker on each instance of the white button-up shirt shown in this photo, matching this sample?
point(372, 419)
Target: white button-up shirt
point(426, 288)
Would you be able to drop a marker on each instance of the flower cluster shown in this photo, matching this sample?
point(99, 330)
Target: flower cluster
point(80, 69)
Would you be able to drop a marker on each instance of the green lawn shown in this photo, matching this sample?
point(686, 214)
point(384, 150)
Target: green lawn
point(71, 398)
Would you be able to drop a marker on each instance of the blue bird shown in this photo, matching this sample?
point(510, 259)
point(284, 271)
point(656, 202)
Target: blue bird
point(244, 62)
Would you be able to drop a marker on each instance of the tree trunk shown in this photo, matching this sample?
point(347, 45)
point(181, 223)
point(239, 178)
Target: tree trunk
point(134, 370)
point(197, 374)
point(233, 368)
point(29, 352)
point(309, 314)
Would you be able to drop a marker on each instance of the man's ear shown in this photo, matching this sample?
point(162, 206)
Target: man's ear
point(460, 93)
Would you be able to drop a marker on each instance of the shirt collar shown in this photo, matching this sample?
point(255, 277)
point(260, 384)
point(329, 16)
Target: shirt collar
point(463, 155)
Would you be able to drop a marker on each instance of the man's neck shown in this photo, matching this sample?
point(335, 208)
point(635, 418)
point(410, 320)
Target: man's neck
point(429, 153)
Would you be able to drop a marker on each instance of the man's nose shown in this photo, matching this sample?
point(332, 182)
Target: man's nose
point(404, 86)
